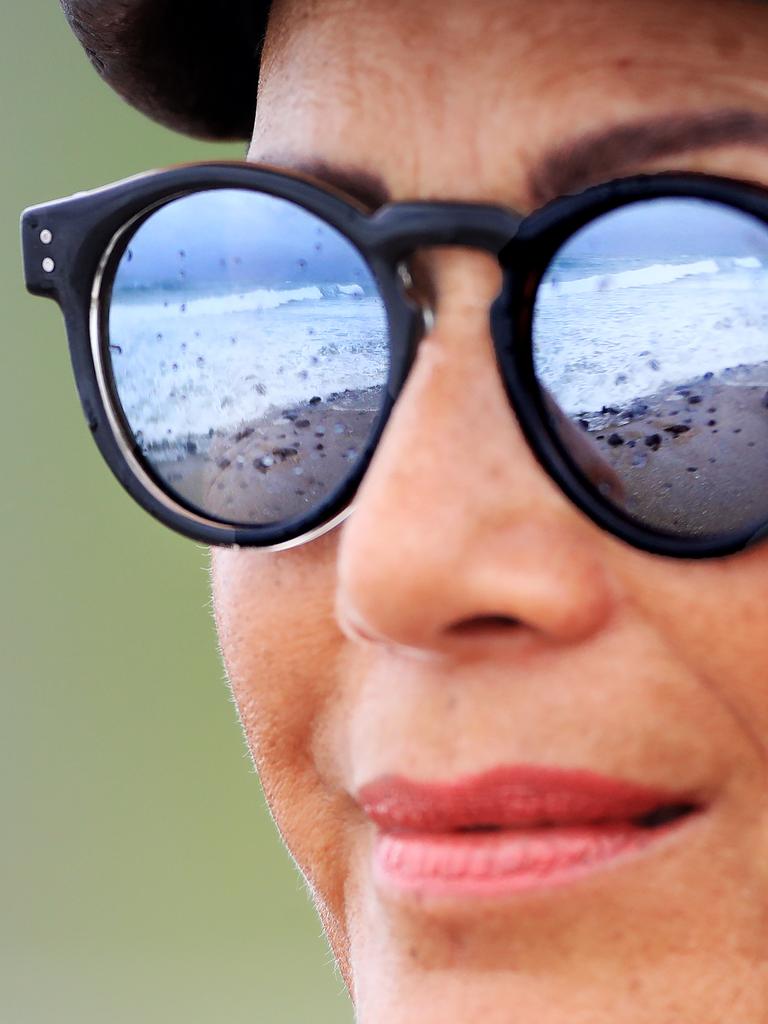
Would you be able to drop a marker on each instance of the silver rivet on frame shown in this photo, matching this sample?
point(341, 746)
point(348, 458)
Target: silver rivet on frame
point(48, 265)
point(46, 236)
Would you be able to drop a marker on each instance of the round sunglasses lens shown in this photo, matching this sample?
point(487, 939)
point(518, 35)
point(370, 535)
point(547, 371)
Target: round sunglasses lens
point(248, 346)
point(650, 343)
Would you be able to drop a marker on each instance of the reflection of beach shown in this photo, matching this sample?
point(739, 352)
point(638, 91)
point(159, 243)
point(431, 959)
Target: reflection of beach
point(276, 466)
point(693, 458)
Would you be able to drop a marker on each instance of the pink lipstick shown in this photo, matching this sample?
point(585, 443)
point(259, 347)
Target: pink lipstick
point(511, 829)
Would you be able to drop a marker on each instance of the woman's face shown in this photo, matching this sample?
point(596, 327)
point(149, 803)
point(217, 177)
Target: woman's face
point(467, 618)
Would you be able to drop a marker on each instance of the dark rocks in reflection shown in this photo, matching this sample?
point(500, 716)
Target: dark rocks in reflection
point(668, 461)
point(249, 474)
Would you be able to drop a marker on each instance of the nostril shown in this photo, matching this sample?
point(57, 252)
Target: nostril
point(482, 623)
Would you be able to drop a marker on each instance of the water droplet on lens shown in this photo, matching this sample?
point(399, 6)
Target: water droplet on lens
point(200, 361)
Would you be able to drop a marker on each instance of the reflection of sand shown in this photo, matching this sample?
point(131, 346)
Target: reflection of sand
point(277, 466)
point(693, 458)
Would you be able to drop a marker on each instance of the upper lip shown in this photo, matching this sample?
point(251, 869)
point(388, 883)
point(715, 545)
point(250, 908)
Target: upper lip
point(517, 796)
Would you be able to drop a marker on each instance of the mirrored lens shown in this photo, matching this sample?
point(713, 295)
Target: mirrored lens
point(651, 348)
point(248, 344)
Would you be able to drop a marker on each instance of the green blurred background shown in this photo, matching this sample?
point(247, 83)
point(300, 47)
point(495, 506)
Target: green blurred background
point(142, 879)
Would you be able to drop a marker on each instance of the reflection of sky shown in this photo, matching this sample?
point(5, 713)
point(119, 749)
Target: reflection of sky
point(671, 228)
point(224, 236)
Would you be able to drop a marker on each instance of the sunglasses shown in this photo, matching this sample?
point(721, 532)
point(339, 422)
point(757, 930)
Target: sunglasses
point(239, 336)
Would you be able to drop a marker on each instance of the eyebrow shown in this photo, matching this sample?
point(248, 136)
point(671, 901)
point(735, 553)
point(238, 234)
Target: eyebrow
point(365, 186)
point(609, 153)
point(576, 164)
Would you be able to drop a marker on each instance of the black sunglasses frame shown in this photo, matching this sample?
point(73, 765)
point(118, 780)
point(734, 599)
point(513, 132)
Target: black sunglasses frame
point(71, 248)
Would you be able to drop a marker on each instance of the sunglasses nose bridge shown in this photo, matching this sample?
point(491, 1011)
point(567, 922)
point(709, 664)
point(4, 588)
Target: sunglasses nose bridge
point(400, 228)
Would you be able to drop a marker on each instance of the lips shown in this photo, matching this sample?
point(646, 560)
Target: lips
point(513, 828)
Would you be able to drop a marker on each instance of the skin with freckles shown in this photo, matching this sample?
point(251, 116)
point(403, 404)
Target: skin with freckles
point(466, 615)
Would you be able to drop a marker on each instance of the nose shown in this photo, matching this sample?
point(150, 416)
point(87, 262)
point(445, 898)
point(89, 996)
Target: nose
point(457, 537)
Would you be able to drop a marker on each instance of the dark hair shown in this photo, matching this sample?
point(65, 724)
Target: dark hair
point(190, 64)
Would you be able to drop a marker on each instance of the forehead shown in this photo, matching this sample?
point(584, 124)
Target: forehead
point(460, 98)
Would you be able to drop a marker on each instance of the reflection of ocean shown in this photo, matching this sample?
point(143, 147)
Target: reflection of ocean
point(185, 368)
point(607, 332)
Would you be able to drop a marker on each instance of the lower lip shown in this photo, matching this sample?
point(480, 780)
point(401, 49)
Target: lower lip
point(508, 861)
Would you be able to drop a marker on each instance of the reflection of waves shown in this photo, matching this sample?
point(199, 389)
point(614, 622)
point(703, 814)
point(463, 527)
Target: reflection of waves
point(607, 346)
point(215, 362)
point(159, 305)
point(657, 273)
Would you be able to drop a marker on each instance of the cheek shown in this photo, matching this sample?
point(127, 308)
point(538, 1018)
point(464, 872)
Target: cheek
point(274, 613)
point(715, 617)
